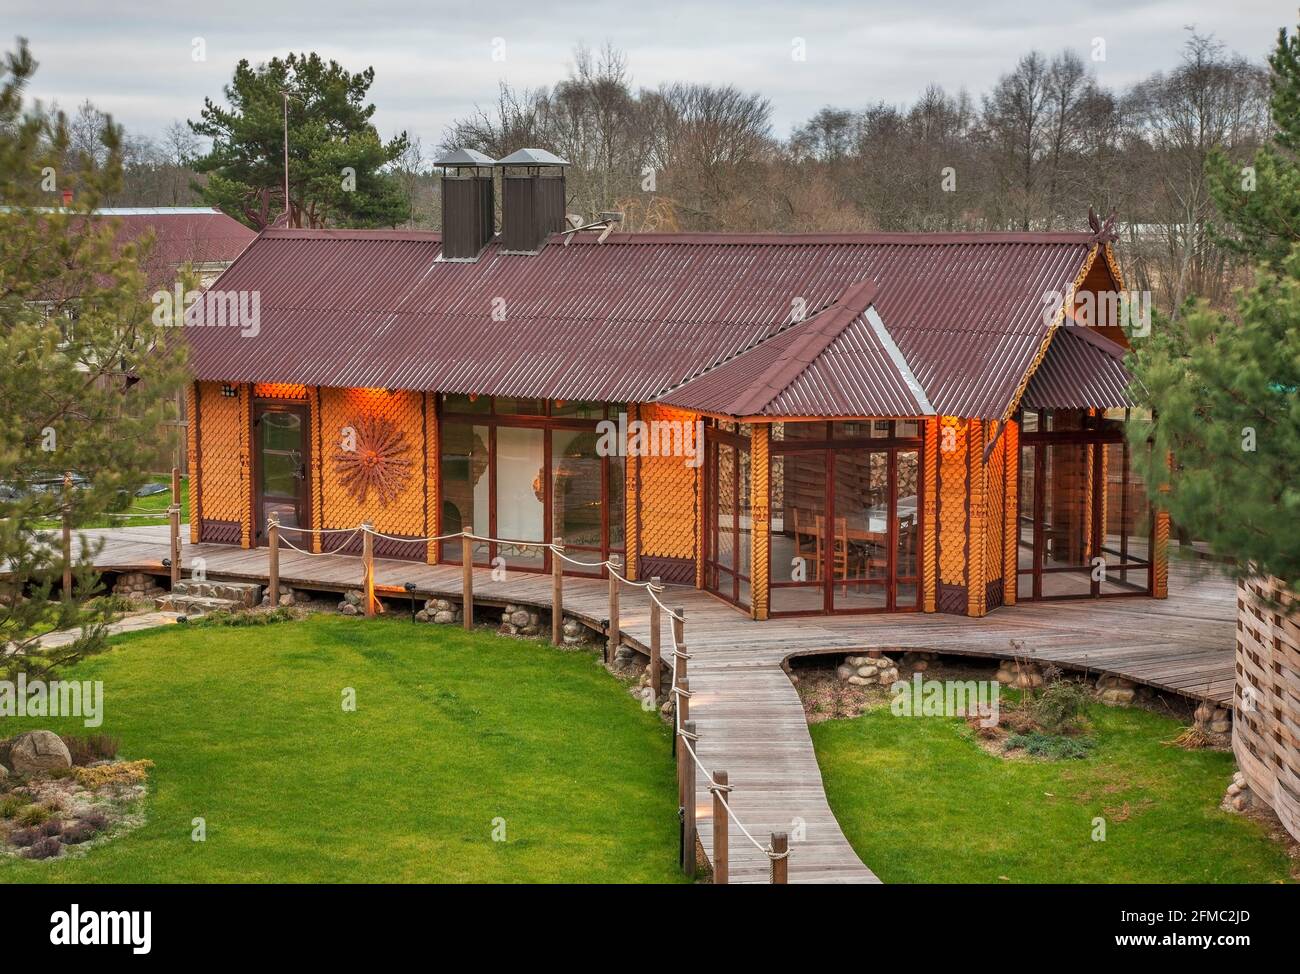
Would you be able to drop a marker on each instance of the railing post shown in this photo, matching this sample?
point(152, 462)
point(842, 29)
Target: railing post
point(467, 581)
point(174, 546)
point(557, 592)
point(721, 827)
point(273, 557)
point(781, 861)
point(656, 621)
point(679, 625)
point(368, 567)
point(615, 637)
point(176, 486)
point(683, 702)
point(67, 552)
point(686, 769)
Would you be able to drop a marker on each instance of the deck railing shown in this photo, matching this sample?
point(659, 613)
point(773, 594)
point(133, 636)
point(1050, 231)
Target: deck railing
point(685, 733)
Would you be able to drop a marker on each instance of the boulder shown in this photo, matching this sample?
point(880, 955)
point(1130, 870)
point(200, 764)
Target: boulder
point(39, 750)
point(348, 609)
point(286, 599)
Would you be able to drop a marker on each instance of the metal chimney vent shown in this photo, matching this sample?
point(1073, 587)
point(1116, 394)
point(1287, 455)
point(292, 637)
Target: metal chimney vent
point(468, 203)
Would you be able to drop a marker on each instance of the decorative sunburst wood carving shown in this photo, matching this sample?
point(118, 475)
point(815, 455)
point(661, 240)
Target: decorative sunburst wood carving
point(380, 461)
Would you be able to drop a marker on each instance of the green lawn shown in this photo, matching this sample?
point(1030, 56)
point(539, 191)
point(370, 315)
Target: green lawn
point(140, 506)
point(921, 802)
point(451, 732)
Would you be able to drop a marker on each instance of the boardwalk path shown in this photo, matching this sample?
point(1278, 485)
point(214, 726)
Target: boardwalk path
point(748, 715)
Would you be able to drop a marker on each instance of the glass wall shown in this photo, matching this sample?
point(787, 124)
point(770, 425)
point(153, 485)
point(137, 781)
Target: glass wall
point(844, 524)
point(526, 470)
point(729, 520)
point(1083, 512)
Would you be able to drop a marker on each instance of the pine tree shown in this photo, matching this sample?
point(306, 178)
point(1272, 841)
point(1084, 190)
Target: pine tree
point(1224, 389)
point(338, 167)
point(87, 376)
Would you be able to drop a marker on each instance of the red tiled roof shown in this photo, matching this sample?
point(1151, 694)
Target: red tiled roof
point(1081, 370)
point(636, 316)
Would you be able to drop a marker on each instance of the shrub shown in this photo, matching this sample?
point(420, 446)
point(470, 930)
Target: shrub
point(96, 820)
point(123, 772)
point(10, 805)
point(221, 617)
point(92, 747)
point(79, 832)
point(23, 837)
point(44, 849)
point(32, 814)
point(51, 826)
point(1060, 704)
point(1050, 745)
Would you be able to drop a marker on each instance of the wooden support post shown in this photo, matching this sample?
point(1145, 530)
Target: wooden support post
point(781, 865)
point(686, 769)
point(67, 553)
point(273, 557)
point(368, 567)
point(656, 621)
point(557, 593)
point(176, 486)
point(174, 547)
point(679, 626)
point(467, 581)
point(615, 637)
point(721, 828)
point(683, 699)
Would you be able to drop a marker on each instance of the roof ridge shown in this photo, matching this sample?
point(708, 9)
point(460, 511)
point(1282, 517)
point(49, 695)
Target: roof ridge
point(823, 328)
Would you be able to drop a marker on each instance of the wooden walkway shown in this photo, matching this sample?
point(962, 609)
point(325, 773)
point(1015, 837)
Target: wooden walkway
point(748, 715)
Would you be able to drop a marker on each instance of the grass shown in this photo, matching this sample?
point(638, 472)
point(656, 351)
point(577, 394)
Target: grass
point(921, 801)
point(138, 505)
point(453, 734)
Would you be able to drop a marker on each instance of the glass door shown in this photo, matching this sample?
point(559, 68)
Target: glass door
point(729, 522)
point(280, 435)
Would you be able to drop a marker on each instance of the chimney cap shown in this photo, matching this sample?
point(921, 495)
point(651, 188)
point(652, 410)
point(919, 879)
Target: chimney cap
point(532, 157)
point(465, 157)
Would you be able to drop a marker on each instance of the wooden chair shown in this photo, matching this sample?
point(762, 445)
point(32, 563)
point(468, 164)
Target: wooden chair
point(839, 549)
point(813, 557)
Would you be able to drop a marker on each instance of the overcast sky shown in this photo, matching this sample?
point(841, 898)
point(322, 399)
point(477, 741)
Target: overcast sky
point(434, 61)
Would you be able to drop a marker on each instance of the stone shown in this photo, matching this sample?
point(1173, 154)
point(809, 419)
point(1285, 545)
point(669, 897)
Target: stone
point(422, 615)
point(4, 772)
point(39, 750)
point(354, 597)
point(348, 609)
point(860, 681)
point(1220, 726)
point(445, 616)
point(844, 671)
point(286, 598)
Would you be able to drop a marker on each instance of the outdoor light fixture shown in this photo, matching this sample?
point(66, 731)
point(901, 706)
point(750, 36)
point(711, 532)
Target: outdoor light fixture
point(229, 391)
point(410, 590)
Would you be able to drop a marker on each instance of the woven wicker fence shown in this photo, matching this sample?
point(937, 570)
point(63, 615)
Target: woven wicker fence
point(1266, 726)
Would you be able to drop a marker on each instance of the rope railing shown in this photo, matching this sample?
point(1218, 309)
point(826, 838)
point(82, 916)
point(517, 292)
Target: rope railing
point(684, 736)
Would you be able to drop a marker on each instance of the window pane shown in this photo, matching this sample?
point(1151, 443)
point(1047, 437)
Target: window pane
point(798, 501)
point(279, 474)
point(463, 465)
point(575, 488)
point(858, 547)
point(579, 410)
point(281, 431)
point(617, 502)
point(521, 492)
point(466, 404)
point(507, 405)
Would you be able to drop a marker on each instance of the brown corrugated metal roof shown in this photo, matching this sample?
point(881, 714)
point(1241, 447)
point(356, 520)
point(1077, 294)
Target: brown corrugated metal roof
point(182, 235)
point(1081, 370)
point(640, 314)
point(836, 363)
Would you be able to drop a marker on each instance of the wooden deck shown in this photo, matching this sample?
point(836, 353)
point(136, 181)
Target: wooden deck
point(748, 715)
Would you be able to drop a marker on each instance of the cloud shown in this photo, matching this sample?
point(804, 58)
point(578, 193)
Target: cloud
point(433, 62)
